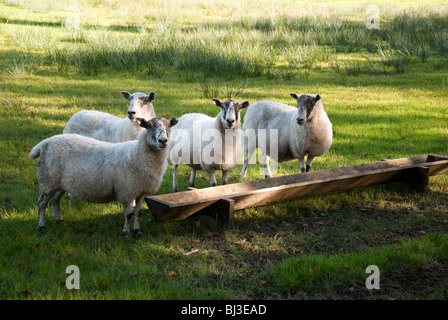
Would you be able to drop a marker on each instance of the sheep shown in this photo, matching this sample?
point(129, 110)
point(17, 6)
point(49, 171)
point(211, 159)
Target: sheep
point(99, 171)
point(194, 131)
point(106, 127)
point(306, 130)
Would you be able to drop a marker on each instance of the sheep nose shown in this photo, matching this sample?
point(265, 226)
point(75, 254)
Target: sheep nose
point(300, 121)
point(230, 122)
point(163, 140)
point(131, 113)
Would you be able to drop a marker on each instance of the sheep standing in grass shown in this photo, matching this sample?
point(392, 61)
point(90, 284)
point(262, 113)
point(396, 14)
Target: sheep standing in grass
point(98, 171)
point(190, 141)
point(305, 130)
point(106, 127)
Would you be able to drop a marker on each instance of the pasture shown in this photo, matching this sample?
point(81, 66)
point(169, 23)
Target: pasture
point(385, 91)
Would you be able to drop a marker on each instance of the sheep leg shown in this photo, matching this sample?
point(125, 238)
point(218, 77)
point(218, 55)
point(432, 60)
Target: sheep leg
point(42, 203)
point(244, 169)
point(267, 169)
point(127, 209)
point(224, 177)
point(56, 201)
point(212, 178)
point(175, 167)
point(192, 177)
point(302, 165)
point(247, 155)
point(137, 213)
point(309, 161)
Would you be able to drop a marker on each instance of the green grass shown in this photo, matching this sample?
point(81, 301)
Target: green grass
point(320, 272)
point(384, 91)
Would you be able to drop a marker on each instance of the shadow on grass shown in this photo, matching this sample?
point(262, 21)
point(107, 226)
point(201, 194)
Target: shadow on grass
point(60, 24)
point(30, 22)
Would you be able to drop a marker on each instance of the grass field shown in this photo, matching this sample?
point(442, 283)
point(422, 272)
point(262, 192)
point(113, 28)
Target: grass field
point(385, 91)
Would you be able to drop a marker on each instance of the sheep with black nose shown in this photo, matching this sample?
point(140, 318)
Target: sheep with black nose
point(106, 127)
point(207, 143)
point(99, 171)
point(305, 130)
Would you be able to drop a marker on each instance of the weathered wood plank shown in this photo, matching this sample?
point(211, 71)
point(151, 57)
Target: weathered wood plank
point(181, 205)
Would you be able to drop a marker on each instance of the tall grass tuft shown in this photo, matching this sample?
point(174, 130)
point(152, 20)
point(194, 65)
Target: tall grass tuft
point(395, 61)
point(21, 64)
point(215, 88)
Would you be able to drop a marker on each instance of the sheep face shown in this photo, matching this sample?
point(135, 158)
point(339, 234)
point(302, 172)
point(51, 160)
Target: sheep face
point(305, 106)
point(158, 129)
point(230, 112)
point(140, 105)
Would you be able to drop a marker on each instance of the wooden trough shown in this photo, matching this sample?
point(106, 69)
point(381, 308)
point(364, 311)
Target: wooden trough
point(220, 202)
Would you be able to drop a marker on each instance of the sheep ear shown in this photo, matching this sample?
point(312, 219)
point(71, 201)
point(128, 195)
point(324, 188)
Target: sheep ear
point(245, 104)
point(143, 123)
point(126, 95)
point(173, 121)
point(294, 96)
point(151, 96)
point(217, 102)
point(317, 98)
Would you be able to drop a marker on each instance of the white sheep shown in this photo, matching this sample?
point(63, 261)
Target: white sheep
point(98, 171)
point(305, 130)
point(106, 127)
point(191, 142)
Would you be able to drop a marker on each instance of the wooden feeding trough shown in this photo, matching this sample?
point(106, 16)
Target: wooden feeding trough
point(220, 202)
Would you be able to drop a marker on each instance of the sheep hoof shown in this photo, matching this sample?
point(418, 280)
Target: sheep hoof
point(174, 190)
point(137, 233)
point(126, 234)
point(59, 221)
point(42, 229)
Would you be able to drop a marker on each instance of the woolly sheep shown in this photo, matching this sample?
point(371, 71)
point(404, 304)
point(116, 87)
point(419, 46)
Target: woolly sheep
point(98, 171)
point(106, 127)
point(222, 153)
point(305, 130)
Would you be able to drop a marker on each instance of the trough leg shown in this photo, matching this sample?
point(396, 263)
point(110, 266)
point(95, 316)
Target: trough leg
point(225, 211)
point(221, 213)
point(417, 179)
